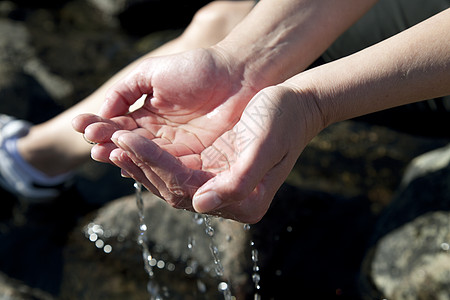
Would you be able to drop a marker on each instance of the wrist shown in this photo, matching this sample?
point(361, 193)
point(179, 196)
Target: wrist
point(240, 67)
point(307, 106)
point(298, 110)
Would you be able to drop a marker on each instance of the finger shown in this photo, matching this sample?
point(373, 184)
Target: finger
point(101, 152)
point(127, 91)
point(129, 169)
point(180, 182)
point(80, 122)
point(144, 173)
point(97, 129)
point(242, 189)
point(100, 129)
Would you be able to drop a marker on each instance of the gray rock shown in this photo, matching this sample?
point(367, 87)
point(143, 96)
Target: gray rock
point(169, 234)
point(413, 261)
point(410, 257)
point(427, 163)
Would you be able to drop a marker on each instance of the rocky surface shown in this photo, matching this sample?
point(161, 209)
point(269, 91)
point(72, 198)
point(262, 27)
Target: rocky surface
point(341, 226)
point(183, 264)
point(409, 256)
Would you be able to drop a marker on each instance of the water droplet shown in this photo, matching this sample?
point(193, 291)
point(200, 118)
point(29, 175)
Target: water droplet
point(191, 242)
point(256, 278)
point(152, 262)
point(198, 219)
point(170, 267)
point(209, 231)
point(214, 250)
point(246, 226)
point(97, 229)
point(107, 248)
point(201, 286)
point(93, 237)
point(445, 246)
point(160, 264)
point(219, 270)
point(222, 286)
point(143, 227)
point(254, 255)
point(99, 243)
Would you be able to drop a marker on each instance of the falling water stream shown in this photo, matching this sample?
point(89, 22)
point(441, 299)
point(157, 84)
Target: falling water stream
point(255, 275)
point(152, 286)
point(223, 287)
point(98, 235)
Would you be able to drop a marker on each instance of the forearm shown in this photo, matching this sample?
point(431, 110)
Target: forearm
point(411, 66)
point(280, 38)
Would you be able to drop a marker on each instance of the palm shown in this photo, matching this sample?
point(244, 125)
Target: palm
point(191, 100)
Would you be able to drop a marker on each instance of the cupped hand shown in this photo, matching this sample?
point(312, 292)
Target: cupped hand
point(191, 99)
point(236, 176)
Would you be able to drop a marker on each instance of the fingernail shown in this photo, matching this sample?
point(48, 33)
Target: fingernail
point(207, 202)
point(115, 138)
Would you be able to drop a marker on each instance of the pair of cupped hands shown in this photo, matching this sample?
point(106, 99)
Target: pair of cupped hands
point(206, 139)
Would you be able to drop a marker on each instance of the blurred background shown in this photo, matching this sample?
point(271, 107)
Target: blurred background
point(330, 224)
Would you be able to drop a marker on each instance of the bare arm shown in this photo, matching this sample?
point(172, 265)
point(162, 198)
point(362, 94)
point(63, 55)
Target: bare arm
point(411, 66)
point(280, 38)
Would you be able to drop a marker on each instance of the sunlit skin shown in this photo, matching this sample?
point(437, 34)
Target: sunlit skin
point(227, 151)
point(177, 126)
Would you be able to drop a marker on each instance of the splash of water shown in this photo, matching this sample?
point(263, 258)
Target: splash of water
point(152, 286)
point(98, 235)
point(223, 287)
point(256, 277)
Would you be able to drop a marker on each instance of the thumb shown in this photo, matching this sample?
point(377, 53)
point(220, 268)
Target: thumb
point(127, 91)
point(259, 163)
point(244, 191)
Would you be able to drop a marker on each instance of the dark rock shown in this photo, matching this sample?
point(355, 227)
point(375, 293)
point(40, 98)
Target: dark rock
point(27, 89)
point(11, 289)
point(142, 17)
point(410, 256)
point(357, 158)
